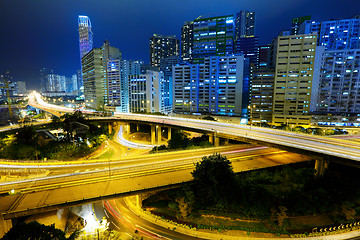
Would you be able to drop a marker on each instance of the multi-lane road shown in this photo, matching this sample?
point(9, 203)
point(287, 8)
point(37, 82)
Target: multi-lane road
point(317, 144)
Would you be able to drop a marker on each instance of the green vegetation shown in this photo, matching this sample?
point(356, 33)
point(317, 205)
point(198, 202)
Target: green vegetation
point(80, 138)
point(35, 230)
point(181, 140)
point(268, 200)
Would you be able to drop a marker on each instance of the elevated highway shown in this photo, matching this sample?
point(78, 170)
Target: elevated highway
point(324, 147)
point(129, 176)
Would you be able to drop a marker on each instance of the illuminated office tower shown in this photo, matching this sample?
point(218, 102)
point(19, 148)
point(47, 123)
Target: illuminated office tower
point(335, 34)
point(85, 35)
point(56, 83)
point(149, 93)
point(95, 76)
point(264, 55)
point(262, 91)
point(337, 97)
point(187, 38)
point(216, 86)
point(294, 73)
point(245, 24)
point(213, 36)
point(162, 47)
point(118, 72)
point(249, 46)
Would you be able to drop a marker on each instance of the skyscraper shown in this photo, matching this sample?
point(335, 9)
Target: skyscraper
point(294, 73)
point(85, 35)
point(245, 24)
point(187, 37)
point(95, 76)
point(335, 34)
point(213, 36)
point(149, 93)
point(162, 47)
point(216, 86)
point(249, 46)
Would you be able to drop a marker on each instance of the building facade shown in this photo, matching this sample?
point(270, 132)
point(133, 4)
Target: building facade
point(162, 47)
point(262, 91)
point(187, 38)
point(296, 23)
point(44, 72)
point(85, 35)
point(245, 24)
point(149, 93)
point(335, 34)
point(294, 72)
point(216, 86)
point(213, 37)
point(249, 46)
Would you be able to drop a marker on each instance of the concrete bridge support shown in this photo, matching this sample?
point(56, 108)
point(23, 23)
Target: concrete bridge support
point(110, 126)
point(211, 138)
point(139, 199)
point(216, 141)
point(158, 134)
point(127, 128)
point(169, 134)
point(152, 134)
point(137, 127)
point(320, 166)
point(226, 141)
point(5, 226)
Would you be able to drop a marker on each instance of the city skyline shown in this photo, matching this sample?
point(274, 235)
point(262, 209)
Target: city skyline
point(51, 40)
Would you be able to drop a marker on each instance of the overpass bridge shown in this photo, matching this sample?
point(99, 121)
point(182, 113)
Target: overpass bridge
point(129, 176)
point(323, 147)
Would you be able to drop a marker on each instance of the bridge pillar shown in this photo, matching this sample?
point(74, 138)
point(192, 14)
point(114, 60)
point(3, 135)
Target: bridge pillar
point(137, 127)
point(127, 128)
point(226, 141)
point(152, 134)
point(5, 226)
point(139, 200)
point(211, 138)
point(320, 166)
point(169, 134)
point(216, 141)
point(110, 128)
point(158, 134)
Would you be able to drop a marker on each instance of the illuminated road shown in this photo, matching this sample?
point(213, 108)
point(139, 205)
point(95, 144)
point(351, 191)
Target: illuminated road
point(127, 176)
point(317, 144)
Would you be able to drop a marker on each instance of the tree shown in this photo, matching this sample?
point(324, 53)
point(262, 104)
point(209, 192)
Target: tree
point(179, 140)
point(214, 179)
point(35, 231)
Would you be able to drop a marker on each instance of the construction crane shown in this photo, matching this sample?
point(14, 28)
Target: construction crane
point(6, 83)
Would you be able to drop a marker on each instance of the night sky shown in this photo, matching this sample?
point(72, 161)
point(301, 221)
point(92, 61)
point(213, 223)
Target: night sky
point(43, 33)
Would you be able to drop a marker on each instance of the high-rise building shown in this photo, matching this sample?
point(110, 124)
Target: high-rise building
point(162, 47)
point(296, 23)
point(149, 93)
point(85, 35)
point(339, 83)
point(216, 86)
point(262, 91)
point(249, 46)
point(95, 75)
point(118, 72)
point(44, 72)
point(264, 56)
point(294, 73)
point(335, 34)
point(245, 24)
point(187, 38)
point(213, 36)
point(55, 83)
